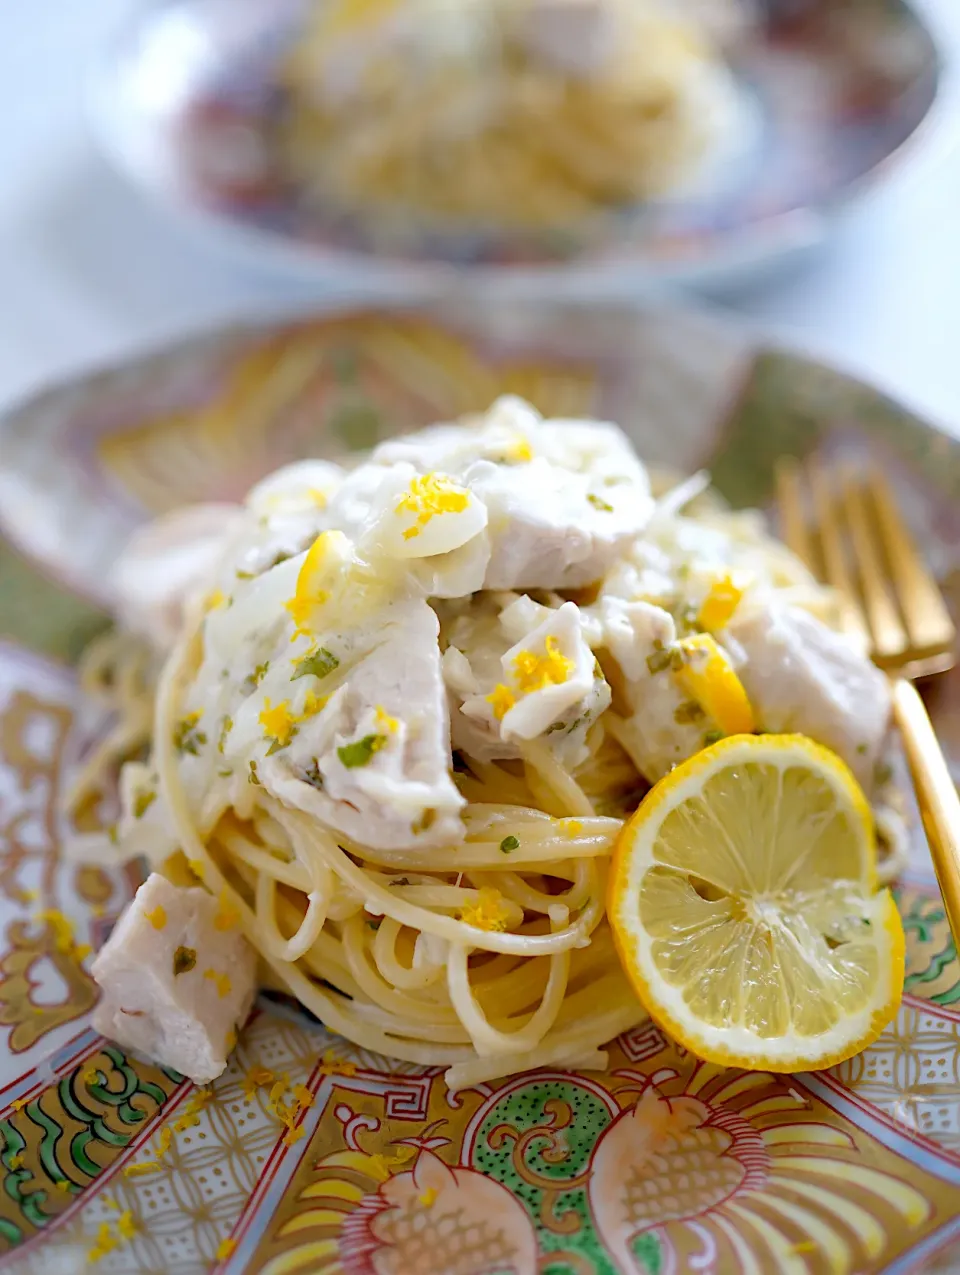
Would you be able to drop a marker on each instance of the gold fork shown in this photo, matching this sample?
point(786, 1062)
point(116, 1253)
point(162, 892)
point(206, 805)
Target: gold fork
point(858, 542)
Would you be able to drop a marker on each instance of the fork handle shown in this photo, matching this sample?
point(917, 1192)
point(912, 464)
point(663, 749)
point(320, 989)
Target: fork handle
point(936, 794)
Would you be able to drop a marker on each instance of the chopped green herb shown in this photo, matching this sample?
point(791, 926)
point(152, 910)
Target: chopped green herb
point(113, 835)
point(688, 713)
point(142, 802)
point(861, 749)
point(508, 844)
point(226, 726)
point(253, 777)
point(224, 772)
point(317, 664)
point(599, 504)
point(253, 680)
point(184, 959)
point(360, 751)
point(313, 777)
point(713, 737)
point(425, 822)
point(659, 660)
point(186, 737)
point(246, 575)
point(882, 774)
point(374, 924)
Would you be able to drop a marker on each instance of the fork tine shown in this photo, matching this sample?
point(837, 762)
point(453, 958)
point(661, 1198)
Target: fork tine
point(889, 636)
point(834, 559)
point(928, 622)
point(796, 535)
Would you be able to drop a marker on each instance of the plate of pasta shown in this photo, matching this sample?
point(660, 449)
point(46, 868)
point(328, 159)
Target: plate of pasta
point(542, 142)
point(449, 834)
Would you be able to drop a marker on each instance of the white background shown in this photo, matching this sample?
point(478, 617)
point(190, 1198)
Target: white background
point(89, 270)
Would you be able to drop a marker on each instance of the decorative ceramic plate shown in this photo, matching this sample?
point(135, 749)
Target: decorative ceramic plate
point(187, 99)
point(108, 1160)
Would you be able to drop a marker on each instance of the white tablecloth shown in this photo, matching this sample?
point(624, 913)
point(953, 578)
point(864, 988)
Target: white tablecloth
point(89, 270)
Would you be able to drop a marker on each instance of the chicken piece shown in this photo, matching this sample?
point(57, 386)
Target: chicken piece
point(658, 735)
point(166, 563)
point(592, 494)
point(375, 763)
point(177, 978)
point(802, 676)
point(548, 684)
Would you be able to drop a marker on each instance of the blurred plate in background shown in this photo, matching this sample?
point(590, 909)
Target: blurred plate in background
point(187, 99)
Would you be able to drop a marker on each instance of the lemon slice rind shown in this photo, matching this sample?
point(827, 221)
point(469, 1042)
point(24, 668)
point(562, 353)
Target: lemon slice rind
point(733, 1043)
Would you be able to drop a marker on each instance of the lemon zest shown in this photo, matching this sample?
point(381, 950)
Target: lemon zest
point(518, 452)
point(428, 496)
point(501, 699)
point(225, 1248)
point(227, 917)
point(62, 928)
point(278, 722)
point(18, 1104)
point(222, 982)
point(534, 672)
point(158, 917)
point(429, 1196)
point(255, 1079)
point(332, 1066)
point(214, 600)
point(191, 1115)
point(385, 721)
point(126, 1225)
point(488, 913)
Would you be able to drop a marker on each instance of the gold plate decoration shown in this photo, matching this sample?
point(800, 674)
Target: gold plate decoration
point(310, 1156)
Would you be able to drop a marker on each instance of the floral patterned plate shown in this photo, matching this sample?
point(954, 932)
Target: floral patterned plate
point(661, 1164)
point(187, 97)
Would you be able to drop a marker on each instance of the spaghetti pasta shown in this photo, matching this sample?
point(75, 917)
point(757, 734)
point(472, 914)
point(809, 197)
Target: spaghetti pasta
point(438, 899)
point(513, 113)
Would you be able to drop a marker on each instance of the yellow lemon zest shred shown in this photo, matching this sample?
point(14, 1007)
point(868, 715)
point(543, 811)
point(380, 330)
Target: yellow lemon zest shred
point(501, 699)
point(533, 672)
point(428, 496)
point(488, 913)
point(158, 917)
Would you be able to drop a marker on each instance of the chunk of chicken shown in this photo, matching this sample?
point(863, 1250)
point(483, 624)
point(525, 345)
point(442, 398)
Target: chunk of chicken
point(592, 493)
point(639, 636)
point(376, 763)
point(547, 684)
point(802, 676)
point(177, 978)
point(166, 563)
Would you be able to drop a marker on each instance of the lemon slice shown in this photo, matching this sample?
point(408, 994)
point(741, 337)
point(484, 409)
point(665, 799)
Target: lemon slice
point(744, 907)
